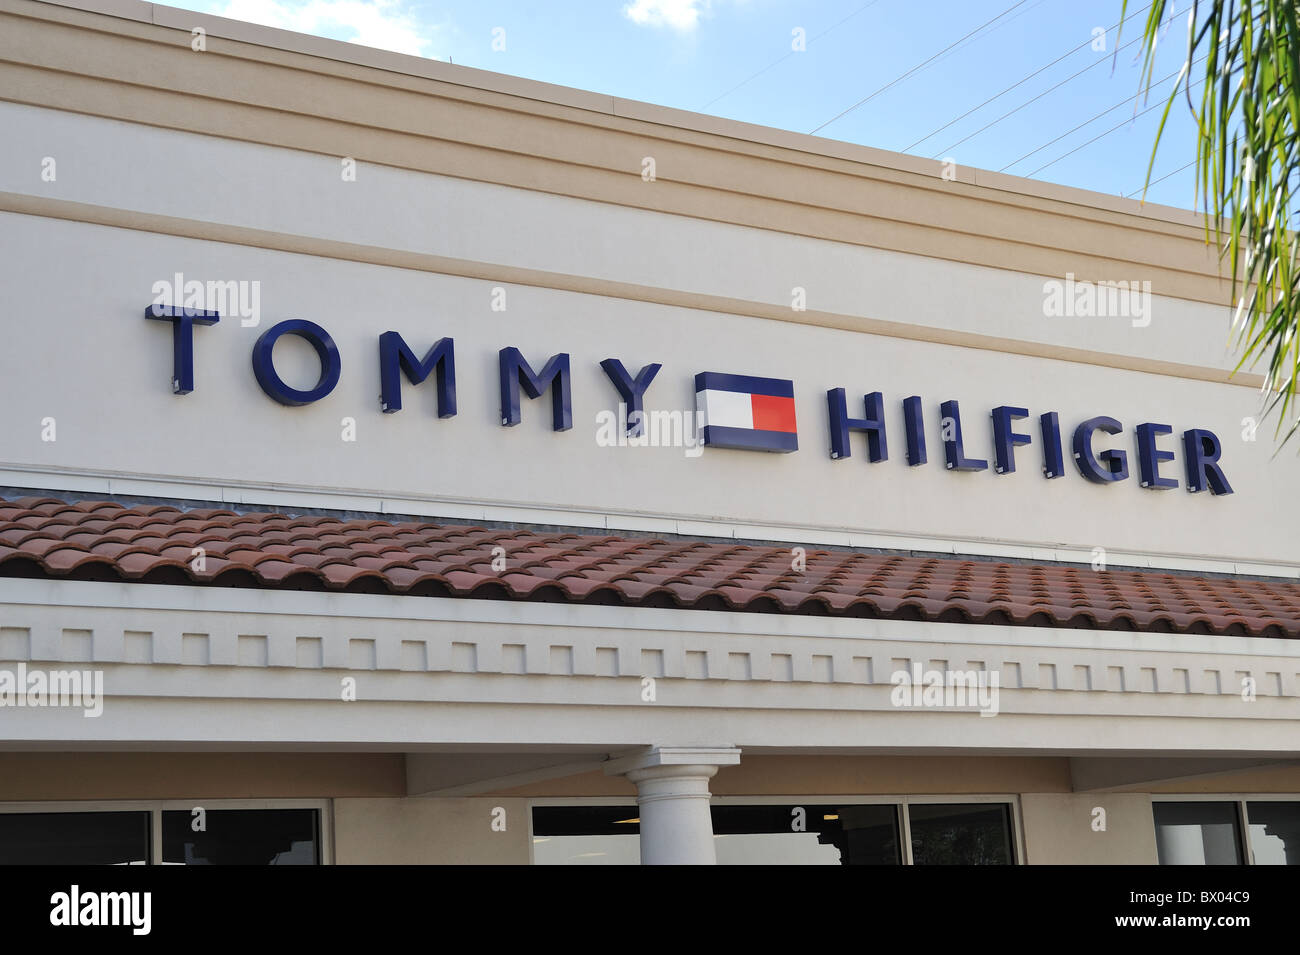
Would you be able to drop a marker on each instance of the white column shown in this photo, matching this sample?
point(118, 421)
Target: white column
point(672, 791)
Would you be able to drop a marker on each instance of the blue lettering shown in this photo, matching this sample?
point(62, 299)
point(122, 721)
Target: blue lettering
point(953, 451)
point(914, 427)
point(183, 321)
point(1005, 441)
point(632, 391)
point(396, 359)
point(1049, 425)
point(331, 364)
point(1203, 449)
point(1115, 462)
point(515, 372)
point(1149, 456)
point(873, 424)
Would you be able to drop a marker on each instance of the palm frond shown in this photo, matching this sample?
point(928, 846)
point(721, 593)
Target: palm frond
point(1247, 162)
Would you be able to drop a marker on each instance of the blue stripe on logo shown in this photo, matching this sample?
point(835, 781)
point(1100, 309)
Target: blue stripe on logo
point(717, 381)
point(745, 439)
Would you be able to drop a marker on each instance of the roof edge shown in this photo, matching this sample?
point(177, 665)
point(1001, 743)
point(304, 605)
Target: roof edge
point(537, 90)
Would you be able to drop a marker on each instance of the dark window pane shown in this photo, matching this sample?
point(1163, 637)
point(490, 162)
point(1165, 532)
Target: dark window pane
point(1274, 832)
point(869, 836)
point(806, 834)
point(74, 838)
point(242, 837)
point(970, 834)
point(586, 835)
point(1197, 833)
point(586, 820)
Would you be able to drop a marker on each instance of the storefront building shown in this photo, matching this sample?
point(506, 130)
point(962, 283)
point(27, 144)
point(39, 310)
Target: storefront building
point(407, 463)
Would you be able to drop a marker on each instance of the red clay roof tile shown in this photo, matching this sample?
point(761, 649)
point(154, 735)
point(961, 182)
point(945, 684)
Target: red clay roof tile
point(103, 539)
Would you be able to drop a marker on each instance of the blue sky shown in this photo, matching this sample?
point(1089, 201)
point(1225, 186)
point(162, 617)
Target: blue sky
point(734, 58)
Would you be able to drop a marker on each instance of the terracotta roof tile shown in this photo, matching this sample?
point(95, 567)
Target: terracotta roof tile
point(106, 540)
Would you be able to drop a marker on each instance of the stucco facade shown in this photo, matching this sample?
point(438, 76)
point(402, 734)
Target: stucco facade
point(370, 192)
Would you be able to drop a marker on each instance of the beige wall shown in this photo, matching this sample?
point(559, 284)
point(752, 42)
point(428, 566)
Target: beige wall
point(1058, 829)
point(340, 99)
point(232, 439)
point(375, 823)
point(217, 775)
point(893, 775)
point(915, 285)
point(423, 131)
point(429, 832)
point(60, 776)
point(846, 775)
point(1272, 779)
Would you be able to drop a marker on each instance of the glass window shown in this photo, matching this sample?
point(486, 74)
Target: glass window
point(1197, 833)
point(241, 837)
point(807, 834)
point(968, 834)
point(790, 834)
point(1274, 832)
point(586, 835)
point(74, 838)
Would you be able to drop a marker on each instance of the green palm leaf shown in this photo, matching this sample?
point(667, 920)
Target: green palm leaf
point(1247, 161)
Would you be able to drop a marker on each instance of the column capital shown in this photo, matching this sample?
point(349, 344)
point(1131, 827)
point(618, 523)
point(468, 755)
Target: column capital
point(672, 795)
point(707, 758)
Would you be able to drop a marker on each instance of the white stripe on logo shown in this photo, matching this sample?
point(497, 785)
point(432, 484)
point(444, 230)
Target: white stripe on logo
point(725, 409)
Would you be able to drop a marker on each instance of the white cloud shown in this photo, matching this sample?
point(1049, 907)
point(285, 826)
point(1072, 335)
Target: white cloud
point(683, 15)
point(384, 24)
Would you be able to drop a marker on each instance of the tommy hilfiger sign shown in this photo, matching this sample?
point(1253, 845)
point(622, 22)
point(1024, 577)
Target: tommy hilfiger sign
point(733, 411)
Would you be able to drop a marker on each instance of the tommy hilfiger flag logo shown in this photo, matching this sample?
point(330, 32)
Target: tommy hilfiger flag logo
point(752, 414)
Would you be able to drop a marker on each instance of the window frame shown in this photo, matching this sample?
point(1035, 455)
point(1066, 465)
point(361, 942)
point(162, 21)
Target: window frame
point(1243, 811)
point(156, 807)
point(900, 802)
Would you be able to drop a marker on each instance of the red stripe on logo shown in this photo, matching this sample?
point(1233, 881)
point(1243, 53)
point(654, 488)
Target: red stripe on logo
point(773, 414)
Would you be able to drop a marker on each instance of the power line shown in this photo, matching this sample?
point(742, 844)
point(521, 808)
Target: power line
point(1050, 89)
point(962, 44)
point(916, 68)
point(1034, 99)
point(1161, 179)
point(777, 62)
point(1088, 122)
point(1023, 81)
point(1101, 135)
